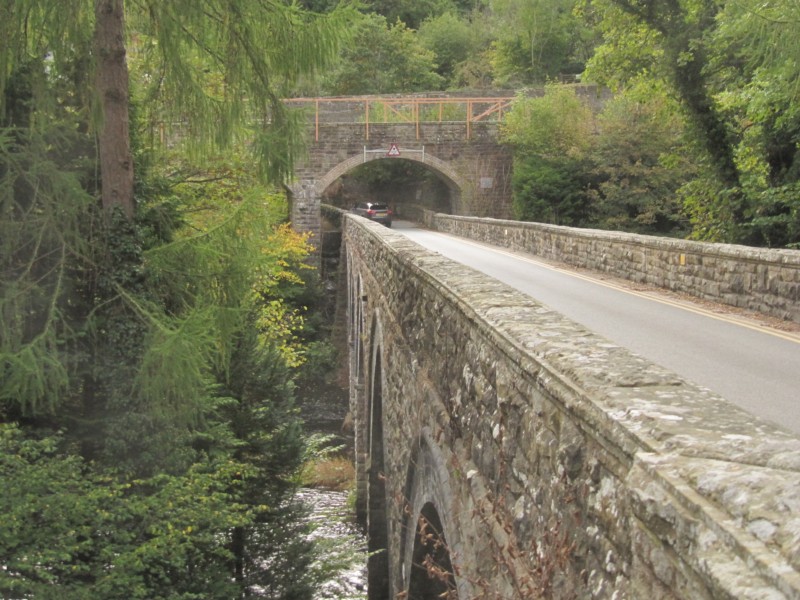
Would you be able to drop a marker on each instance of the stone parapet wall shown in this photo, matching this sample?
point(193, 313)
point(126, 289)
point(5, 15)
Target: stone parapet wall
point(562, 466)
point(758, 279)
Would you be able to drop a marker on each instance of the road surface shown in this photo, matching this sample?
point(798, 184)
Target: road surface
point(741, 359)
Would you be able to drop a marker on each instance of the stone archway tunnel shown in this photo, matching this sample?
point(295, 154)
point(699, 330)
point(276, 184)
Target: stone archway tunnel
point(455, 138)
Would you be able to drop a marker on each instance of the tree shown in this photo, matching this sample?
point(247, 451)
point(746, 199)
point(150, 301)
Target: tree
point(550, 136)
point(123, 318)
point(756, 77)
point(681, 30)
point(73, 534)
point(383, 59)
point(677, 34)
point(180, 44)
point(453, 40)
point(48, 103)
point(549, 190)
point(639, 159)
point(411, 12)
point(111, 85)
point(190, 491)
point(731, 67)
point(535, 40)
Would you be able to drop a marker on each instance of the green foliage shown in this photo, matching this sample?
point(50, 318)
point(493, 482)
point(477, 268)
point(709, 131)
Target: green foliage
point(619, 170)
point(776, 218)
point(677, 53)
point(51, 38)
point(179, 46)
point(733, 69)
point(550, 136)
point(43, 209)
point(453, 40)
point(69, 533)
point(550, 191)
point(383, 59)
point(271, 553)
point(206, 67)
point(412, 12)
point(183, 397)
point(48, 511)
point(556, 124)
point(318, 5)
point(142, 322)
point(639, 158)
point(629, 50)
point(708, 207)
point(536, 40)
point(160, 347)
point(763, 35)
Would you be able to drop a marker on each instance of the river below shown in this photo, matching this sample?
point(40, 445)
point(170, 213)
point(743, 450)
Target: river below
point(343, 545)
point(341, 540)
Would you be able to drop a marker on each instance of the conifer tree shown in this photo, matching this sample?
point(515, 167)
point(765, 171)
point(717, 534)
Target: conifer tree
point(122, 322)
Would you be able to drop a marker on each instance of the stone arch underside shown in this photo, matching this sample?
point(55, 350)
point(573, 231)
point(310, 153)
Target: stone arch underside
point(357, 401)
point(460, 188)
point(429, 498)
point(377, 515)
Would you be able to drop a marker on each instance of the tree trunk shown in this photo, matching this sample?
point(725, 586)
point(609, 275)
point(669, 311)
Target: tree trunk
point(116, 161)
point(238, 541)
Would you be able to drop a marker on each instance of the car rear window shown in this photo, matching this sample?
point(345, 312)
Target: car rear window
point(378, 206)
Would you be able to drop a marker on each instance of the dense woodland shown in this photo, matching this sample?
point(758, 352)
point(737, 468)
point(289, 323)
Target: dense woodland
point(158, 314)
point(700, 139)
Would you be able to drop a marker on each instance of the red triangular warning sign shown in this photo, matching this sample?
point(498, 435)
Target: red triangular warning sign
point(393, 150)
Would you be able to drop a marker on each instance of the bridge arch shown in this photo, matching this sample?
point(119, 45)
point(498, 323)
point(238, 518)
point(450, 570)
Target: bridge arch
point(460, 188)
point(377, 521)
point(358, 400)
point(428, 531)
point(456, 137)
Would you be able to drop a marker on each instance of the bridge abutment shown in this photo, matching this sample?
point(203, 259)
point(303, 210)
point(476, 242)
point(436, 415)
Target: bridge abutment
point(304, 210)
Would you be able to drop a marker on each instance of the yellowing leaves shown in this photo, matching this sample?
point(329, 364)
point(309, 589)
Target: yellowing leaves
point(277, 325)
point(234, 265)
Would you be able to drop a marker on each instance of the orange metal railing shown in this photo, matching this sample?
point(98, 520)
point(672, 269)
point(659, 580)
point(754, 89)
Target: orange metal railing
point(372, 110)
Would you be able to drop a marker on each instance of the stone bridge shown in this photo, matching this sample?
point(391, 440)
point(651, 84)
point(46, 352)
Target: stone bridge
point(454, 137)
point(505, 452)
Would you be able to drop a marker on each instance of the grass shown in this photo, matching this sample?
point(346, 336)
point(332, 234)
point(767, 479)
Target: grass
point(331, 473)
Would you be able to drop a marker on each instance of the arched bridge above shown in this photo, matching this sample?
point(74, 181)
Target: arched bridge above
point(454, 137)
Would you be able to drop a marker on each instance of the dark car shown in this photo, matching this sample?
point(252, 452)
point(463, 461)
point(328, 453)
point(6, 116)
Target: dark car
point(375, 211)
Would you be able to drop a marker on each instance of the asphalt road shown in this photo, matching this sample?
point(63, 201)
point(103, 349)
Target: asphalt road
point(742, 360)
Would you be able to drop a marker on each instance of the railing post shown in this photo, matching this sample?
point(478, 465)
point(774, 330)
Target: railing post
point(366, 119)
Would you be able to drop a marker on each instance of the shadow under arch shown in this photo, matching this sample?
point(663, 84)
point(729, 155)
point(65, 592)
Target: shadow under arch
point(429, 535)
point(460, 189)
point(431, 575)
point(358, 397)
point(377, 522)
